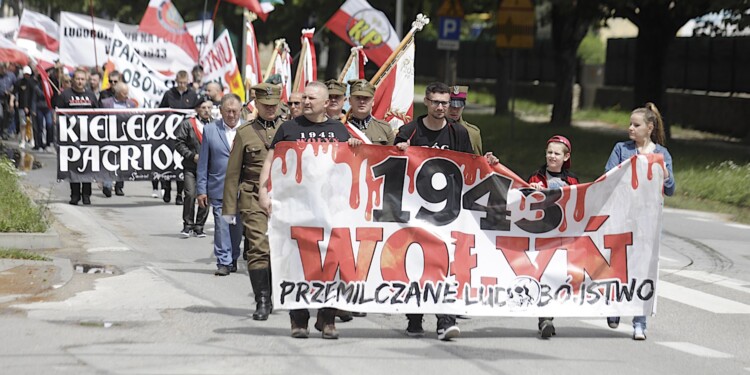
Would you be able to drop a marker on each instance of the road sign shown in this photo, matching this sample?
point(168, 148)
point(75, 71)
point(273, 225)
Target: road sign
point(449, 32)
point(515, 24)
point(451, 8)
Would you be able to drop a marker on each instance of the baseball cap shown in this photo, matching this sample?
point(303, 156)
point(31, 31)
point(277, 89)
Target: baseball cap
point(27, 70)
point(458, 96)
point(566, 142)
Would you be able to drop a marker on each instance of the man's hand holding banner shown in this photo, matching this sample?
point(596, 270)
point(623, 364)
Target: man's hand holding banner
point(379, 230)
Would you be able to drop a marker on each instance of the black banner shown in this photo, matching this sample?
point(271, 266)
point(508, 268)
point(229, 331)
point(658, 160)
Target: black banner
point(118, 145)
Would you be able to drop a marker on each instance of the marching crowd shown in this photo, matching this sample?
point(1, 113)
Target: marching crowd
point(228, 147)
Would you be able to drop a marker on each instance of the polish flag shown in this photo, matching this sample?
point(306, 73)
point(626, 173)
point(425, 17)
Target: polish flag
point(282, 66)
point(10, 52)
point(394, 93)
point(38, 34)
point(253, 72)
point(163, 20)
point(359, 24)
point(307, 71)
point(253, 6)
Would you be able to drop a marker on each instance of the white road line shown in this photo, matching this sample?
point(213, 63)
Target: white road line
point(739, 226)
point(667, 259)
point(711, 278)
point(700, 219)
point(697, 350)
point(701, 300)
point(625, 326)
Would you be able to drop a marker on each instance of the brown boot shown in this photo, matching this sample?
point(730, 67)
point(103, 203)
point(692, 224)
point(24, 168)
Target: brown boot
point(299, 320)
point(326, 323)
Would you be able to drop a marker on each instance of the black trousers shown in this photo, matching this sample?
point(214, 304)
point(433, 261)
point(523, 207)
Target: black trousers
point(78, 189)
point(189, 217)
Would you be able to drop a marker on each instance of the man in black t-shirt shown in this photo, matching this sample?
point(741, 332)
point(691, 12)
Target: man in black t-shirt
point(78, 97)
point(313, 125)
point(435, 130)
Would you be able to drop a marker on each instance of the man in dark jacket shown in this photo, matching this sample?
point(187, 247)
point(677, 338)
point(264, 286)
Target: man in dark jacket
point(188, 144)
point(178, 97)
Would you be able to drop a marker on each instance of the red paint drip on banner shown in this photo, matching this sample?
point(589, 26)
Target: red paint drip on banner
point(580, 211)
point(564, 204)
point(634, 173)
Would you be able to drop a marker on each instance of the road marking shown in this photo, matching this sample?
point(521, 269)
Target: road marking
point(701, 300)
point(667, 259)
point(740, 226)
point(697, 350)
point(711, 278)
point(625, 326)
point(107, 248)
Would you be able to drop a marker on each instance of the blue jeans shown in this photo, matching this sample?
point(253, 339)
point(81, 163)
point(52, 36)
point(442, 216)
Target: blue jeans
point(44, 124)
point(227, 238)
point(639, 320)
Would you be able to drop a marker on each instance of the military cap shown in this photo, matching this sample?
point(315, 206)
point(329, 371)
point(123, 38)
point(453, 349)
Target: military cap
point(361, 87)
point(274, 79)
point(335, 87)
point(458, 95)
point(202, 99)
point(268, 94)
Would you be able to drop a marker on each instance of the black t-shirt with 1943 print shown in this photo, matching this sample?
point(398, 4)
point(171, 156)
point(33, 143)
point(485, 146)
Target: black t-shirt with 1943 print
point(302, 129)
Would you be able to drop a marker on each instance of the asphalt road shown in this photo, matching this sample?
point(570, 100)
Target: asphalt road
point(164, 312)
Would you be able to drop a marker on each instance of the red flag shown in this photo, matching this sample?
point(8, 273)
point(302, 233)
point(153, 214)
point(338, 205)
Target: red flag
point(394, 95)
point(253, 6)
point(359, 24)
point(46, 86)
point(163, 20)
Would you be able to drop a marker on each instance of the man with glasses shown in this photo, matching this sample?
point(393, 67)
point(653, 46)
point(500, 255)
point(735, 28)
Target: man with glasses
point(336, 97)
point(178, 97)
point(436, 130)
point(113, 79)
point(295, 105)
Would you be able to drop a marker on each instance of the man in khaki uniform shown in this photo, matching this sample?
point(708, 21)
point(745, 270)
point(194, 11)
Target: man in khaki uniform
point(250, 148)
point(361, 99)
point(336, 97)
point(456, 108)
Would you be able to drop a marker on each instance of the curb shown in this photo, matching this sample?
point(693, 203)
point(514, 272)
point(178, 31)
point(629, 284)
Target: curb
point(31, 241)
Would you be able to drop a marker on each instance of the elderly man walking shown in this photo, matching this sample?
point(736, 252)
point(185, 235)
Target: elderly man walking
point(218, 138)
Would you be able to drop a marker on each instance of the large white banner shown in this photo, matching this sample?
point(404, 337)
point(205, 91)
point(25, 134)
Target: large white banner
point(220, 65)
point(146, 86)
point(8, 27)
point(77, 43)
point(375, 229)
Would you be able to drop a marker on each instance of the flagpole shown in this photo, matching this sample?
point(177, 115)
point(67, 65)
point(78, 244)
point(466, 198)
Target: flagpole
point(300, 66)
point(203, 32)
point(93, 27)
point(279, 42)
point(349, 62)
point(417, 25)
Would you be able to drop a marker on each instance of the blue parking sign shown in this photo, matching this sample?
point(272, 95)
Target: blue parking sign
point(449, 32)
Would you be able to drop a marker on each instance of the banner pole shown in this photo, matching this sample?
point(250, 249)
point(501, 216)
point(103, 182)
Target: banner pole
point(300, 66)
point(417, 25)
point(348, 64)
point(203, 31)
point(273, 58)
point(93, 27)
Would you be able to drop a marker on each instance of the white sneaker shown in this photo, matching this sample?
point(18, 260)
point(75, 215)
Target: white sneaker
point(22, 144)
point(639, 333)
point(155, 194)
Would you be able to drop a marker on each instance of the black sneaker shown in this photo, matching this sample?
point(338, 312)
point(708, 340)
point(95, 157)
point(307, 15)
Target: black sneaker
point(167, 196)
point(86, 200)
point(107, 192)
point(185, 232)
point(447, 328)
point(199, 233)
point(222, 270)
point(119, 192)
point(546, 328)
point(178, 200)
point(414, 329)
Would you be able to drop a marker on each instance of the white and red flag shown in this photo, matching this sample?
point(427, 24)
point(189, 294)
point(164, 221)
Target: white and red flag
point(39, 34)
point(163, 20)
point(46, 86)
point(394, 93)
point(353, 69)
point(253, 72)
point(253, 6)
point(359, 24)
point(10, 52)
point(282, 65)
point(307, 67)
